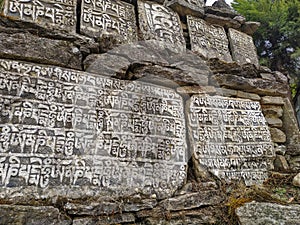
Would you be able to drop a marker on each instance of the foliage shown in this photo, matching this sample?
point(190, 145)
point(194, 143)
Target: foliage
point(277, 40)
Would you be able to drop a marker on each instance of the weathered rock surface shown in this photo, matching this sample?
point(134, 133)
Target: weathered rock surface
point(17, 44)
point(268, 213)
point(187, 7)
point(278, 136)
point(296, 180)
point(29, 215)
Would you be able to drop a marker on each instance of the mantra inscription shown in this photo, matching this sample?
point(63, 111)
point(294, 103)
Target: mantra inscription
point(160, 23)
point(108, 17)
point(57, 13)
point(242, 47)
point(64, 127)
point(230, 138)
point(208, 40)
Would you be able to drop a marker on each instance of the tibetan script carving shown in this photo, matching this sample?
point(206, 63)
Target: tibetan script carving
point(62, 127)
point(111, 17)
point(187, 7)
point(242, 47)
point(56, 13)
point(208, 40)
point(160, 23)
point(230, 138)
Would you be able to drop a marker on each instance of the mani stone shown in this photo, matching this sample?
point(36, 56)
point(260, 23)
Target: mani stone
point(160, 23)
point(76, 134)
point(229, 138)
point(208, 40)
point(187, 7)
point(254, 213)
point(59, 14)
point(242, 47)
point(109, 17)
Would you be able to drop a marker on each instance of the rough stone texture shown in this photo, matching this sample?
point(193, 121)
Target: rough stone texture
point(280, 77)
point(196, 90)
point(280, 163)
point(268, 76)
point(151, 61)
point(226, 92)
point(29, 215)
point(227, 141)
point(242, 47)
point(167, 28)
point(296, 180)
point(274, 122)
point(192, 201)
point(123, 218)
point(291, 129)
point(187, 7)
point(221, 11)
point(252, 85)
point(25, 46)
point(242, 94)
point(111, 134)
point(46, 13)
point(268, 213)
point(250, 27)
point(277, 135)
point(273, 110)
point(269, 100)
point(112, 18)
point(222, 21)
point(208, 40)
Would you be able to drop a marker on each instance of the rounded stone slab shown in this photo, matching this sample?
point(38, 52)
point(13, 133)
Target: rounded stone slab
point(74, 134)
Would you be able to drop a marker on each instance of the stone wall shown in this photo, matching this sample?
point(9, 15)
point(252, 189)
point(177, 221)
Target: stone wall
point(138, 112)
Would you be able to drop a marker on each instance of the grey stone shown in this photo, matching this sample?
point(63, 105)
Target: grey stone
point(222, 21)
point(25, 46)
point(268, 213)
point(240, 19)
point(94, 155)
point(274, 122)
point(296, 180)
point(280, 149)
point(187, 7)
point(105, 64)
point(123, 218)
point(30, 215)
point(221, 4)
point(46, 13)
point(210, 41)
point(270, 100)
point(242, 47)
point(272, 110)
point(277, 135)
point(114, 18)
point(93, 208)
point(257, 86)
point(280, 77)
point(246, 95)
point(223, 12)
point(226, 92)
point(268, 76)
point(136, 205)
point(192, 201)
point(280, 163)
point(249, 27)
point(219, 139)
point(167, 28)
point(196, 90)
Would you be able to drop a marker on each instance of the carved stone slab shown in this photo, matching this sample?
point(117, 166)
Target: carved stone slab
point(56, 13)
point(208, 40)
point(68, 130)
point(230, 138)
point(110, 17)
point(187, 7)
point(242, 47)
point(160, 23)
